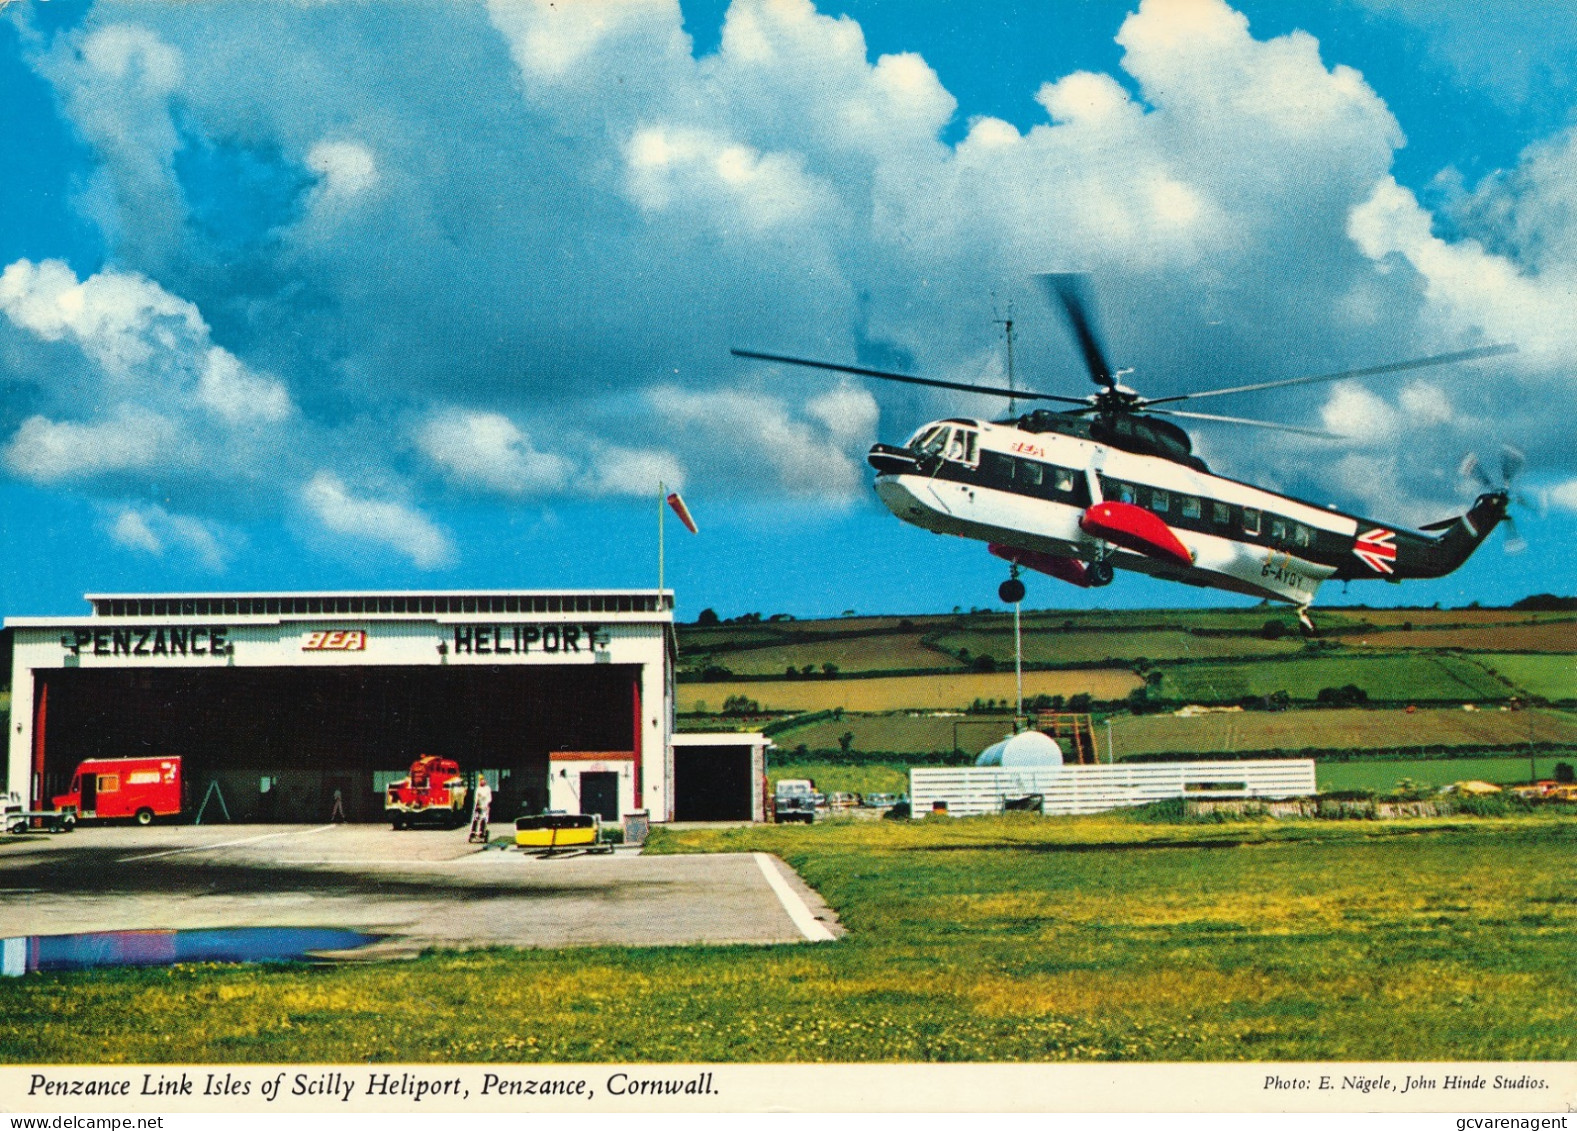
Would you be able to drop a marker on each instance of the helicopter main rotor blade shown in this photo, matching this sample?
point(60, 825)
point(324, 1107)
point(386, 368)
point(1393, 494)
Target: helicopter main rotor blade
point(1373, 370)
point(1020, 394)
point(1245, 420)
point(1069, 291)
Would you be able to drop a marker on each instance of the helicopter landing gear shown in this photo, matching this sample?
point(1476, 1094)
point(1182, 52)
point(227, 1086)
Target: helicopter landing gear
point(1305, 625)
point(1011, 591)
point(1098, 573)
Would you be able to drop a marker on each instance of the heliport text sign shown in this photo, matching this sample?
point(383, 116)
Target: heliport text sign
point(208, 642)
point(523, 639)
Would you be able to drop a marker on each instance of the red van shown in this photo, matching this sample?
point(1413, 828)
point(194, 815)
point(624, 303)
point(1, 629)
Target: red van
point(139, 788)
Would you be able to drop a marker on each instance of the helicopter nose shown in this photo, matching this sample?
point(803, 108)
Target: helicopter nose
point(888, 460)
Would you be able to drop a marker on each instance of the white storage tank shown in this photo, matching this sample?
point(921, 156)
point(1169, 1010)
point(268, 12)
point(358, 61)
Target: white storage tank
point(1030, 748)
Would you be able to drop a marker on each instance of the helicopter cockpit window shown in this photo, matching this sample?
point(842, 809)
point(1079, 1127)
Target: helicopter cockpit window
point(930, 441)
point(1250, 520)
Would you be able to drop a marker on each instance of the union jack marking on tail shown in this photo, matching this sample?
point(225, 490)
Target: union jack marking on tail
point(1377, 549)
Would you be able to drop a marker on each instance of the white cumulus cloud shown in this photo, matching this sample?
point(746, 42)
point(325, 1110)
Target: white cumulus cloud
point(488, 450)
point(378, 521)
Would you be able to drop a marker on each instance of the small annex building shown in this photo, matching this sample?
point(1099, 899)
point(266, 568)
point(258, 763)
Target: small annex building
point(276, 701)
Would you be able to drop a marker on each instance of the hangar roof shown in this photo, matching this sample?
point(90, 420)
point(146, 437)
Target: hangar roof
point(634, 604)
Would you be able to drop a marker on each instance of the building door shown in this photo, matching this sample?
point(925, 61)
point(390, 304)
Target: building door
point(713, 783)
point(599, 793)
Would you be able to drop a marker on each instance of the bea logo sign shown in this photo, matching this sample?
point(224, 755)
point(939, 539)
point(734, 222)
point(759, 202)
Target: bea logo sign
point(339, 640)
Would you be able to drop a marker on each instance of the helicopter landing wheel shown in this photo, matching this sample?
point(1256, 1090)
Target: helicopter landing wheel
point(1098, 573)
point(1012, 590)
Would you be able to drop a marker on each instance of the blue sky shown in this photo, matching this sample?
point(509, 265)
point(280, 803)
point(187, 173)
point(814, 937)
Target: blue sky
point(348, 296)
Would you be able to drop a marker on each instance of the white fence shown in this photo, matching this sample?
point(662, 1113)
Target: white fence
point(971, 791)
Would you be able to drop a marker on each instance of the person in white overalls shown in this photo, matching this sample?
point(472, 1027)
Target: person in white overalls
point(482, 810)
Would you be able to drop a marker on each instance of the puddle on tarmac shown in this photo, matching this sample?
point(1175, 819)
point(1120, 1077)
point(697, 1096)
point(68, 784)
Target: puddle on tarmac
point(28, 953)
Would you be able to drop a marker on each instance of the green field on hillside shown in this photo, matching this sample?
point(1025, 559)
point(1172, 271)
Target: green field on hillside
point(983, 939)
point(1342, 729)
point(1056, 646)
point(1548, 677)
point(1399, 677)
point(952, 692)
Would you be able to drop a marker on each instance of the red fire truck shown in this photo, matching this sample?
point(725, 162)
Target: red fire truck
point(434, 792)
point(139, 788)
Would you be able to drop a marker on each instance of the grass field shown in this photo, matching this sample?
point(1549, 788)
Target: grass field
point(989, 939)
point(861, 654)
point(900, 733)
point(1546, 636)
point(1549, 677)
point(1400, 677)
point(896, 693)
point(829, 777)
point(1225, 732)
point(1053, 646)
point(1425, 618)
point(1381, 775)
point(1339, 729)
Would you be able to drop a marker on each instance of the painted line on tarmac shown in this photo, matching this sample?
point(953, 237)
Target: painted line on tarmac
point(221, 844)
point(809, 926)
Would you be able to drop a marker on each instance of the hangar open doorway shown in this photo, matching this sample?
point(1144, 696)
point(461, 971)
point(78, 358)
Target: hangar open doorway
point(279, 741)
point(719, 777)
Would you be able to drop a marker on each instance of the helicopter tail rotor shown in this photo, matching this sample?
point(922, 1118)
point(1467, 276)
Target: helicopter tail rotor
point(1512, 462)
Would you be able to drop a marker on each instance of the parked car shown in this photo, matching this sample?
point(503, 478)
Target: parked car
point(794, 800)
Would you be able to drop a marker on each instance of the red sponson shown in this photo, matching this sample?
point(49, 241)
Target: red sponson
point(1134, 528)
point(1068, 569)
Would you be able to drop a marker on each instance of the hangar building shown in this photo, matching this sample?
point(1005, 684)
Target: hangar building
point(564, 699)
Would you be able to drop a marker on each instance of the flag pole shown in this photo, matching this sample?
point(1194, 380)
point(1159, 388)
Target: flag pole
point(662, 493)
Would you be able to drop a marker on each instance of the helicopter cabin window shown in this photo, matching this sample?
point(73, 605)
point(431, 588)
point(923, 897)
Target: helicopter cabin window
point(1221, 514)
point(1029, 474)
point(1190, 505)
point(1160, 501)
point(1250, 520)
point(995, 467)
point(1122, 492)
point(1062, 480)
point(1278, 530)
point(1302, 535)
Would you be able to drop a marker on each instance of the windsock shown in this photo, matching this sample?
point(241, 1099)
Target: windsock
point(682, 511)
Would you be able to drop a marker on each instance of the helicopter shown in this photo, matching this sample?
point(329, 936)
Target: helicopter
point(1110, 484)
